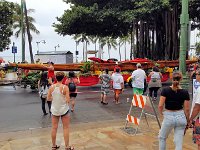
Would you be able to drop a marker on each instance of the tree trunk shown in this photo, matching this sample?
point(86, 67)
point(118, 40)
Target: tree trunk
point(120, 53)
point(83, 51)
point(28, 33)
point(137, 40)
point(153, 42)
point(141, 50)
point(95, 48)
point(125, 50)
point(109, 51)
point(132, 52)
point(86, 43)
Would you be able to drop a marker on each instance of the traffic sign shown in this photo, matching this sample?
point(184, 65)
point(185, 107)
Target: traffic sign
point(14, 49)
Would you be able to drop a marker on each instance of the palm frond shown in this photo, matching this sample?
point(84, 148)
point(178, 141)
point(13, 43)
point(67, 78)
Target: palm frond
point(17, 33)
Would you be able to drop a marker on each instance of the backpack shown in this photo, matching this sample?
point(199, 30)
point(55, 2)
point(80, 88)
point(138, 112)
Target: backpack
point(72, 86)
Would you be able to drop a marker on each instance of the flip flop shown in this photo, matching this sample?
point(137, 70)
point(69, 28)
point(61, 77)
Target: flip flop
point(55, 147)
point(69, 148)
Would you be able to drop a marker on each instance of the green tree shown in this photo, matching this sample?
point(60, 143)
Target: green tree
point(94, 40)
point(124, 40)
point(28, 25)
point(84, 39)
point(111, 42)
point(102, 43)
point(156, 23)
point(6, 11)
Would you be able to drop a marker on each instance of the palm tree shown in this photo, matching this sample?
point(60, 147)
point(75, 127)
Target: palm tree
point(124, 41)
point(102, 43)
point(27, 25)
point(94, 40)
point(110, 43)
point(119, 45)
point(84, 39)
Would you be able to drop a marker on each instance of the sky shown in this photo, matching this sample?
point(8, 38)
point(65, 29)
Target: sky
point(45, 15)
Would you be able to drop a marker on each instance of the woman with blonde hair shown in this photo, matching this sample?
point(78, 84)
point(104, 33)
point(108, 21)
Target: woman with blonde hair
point(176, 114)
point(59, 95)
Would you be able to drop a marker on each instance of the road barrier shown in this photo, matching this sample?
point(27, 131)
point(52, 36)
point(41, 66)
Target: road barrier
point(147, 108)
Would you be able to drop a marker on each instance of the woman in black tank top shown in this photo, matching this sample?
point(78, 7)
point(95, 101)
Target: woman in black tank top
point(176, 114)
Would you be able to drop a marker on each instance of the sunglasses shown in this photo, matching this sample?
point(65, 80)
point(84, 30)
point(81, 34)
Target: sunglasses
point(176, 78)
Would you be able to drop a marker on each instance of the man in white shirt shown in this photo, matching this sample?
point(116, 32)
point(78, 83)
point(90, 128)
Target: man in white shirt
point(138, 79)
point(118, 84)
point(195, 114)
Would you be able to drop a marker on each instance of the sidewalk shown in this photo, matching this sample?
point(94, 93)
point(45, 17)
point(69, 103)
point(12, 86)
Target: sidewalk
point(93, 136)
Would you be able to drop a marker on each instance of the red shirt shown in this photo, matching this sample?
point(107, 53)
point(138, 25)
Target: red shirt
point(51, 74)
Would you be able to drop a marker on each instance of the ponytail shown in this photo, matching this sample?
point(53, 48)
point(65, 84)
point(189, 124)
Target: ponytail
point(176, 78)
point(175, 85)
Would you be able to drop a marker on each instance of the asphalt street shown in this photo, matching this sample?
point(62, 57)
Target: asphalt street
point(20, 109)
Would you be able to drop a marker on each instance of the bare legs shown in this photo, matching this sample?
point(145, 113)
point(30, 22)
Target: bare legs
point(72, 103)
point(116, 95)
point(103, 99)
point(65, 121)
point(55, 121)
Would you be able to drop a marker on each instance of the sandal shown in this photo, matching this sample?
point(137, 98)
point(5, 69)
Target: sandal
point(55, 147)
point(104, 103)
point(69, 148)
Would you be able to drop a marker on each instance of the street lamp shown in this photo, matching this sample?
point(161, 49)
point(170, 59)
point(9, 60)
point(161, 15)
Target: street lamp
point(56, 46)
point(42, 41)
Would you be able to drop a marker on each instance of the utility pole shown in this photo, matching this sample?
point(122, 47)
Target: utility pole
point(23, 30)
point(184, 21)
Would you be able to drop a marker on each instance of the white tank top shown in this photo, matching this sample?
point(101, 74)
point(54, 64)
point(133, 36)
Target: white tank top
point(59, 105)
point(155, 75)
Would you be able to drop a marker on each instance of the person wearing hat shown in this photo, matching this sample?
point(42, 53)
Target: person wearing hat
point(138, 78)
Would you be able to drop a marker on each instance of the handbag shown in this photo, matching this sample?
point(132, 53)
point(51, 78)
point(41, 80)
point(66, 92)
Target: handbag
point(44, 92)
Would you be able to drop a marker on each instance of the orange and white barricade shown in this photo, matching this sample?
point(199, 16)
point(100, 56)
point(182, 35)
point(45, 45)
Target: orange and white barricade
point(141, 101)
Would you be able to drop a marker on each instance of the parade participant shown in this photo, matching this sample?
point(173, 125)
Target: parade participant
point(176, 114)
point(43, 87)
point(72, 81)
point(118, 85)
point(105, 79)
point(51, 75)
point(138, 79)
point(59, 95)
point(155, 82)
point(194, 116)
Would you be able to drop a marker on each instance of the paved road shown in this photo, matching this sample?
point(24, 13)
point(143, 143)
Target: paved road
point(20, 109)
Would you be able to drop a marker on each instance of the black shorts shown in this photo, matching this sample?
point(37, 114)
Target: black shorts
point(62, 115)
point(72, 95)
